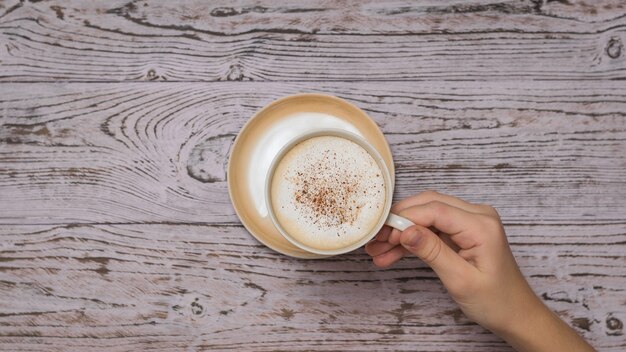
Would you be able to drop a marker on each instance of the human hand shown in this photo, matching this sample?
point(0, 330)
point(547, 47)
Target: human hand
point(466, 246)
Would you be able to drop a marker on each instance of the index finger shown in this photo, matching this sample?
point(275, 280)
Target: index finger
point(447, 218)
point(431, 196)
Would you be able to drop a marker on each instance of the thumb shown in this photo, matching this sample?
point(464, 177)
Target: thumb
point(426, 245)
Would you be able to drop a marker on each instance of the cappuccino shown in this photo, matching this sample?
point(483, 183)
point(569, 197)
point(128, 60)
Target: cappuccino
point(328, 192)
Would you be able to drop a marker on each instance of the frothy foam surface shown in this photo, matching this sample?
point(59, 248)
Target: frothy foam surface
point(328, 192)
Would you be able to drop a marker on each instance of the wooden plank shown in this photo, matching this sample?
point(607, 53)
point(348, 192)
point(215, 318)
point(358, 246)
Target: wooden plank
point(541, 152)
point(116, 231)
point(195, 40)
point(192, 287)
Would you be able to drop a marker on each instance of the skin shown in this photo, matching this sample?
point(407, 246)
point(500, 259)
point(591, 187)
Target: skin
point(465, 244)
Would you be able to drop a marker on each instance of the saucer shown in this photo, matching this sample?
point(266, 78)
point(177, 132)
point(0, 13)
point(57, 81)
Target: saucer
point(262, 137)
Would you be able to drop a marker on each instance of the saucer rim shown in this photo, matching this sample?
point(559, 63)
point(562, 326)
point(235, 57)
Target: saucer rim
point(229, 169)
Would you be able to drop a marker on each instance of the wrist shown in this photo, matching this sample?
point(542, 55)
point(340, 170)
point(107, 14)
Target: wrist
point(523, 317)
point(522, 320)
point(538, 329)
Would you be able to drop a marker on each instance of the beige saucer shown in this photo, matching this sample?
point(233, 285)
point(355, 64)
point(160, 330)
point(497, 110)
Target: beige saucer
point(266, 133)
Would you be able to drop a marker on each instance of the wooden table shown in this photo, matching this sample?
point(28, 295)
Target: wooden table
point(116, 121)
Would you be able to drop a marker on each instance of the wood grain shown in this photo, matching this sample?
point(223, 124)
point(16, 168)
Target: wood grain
point(116, 231)
point(541, 152)
point(191, 40)
point(194, 287)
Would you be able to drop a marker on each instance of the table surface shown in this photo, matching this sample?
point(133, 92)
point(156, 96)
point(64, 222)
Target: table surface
point(117, 118)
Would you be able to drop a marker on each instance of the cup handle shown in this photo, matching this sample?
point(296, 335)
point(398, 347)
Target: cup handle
point(398, 222)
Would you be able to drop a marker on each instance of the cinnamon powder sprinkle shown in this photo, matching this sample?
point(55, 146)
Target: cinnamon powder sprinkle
point(327, 192)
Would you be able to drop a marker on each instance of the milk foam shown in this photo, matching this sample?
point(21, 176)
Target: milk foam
point(328, 192)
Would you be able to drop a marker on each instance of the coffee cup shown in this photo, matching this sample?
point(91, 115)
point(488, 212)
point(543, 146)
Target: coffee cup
point(329, 192)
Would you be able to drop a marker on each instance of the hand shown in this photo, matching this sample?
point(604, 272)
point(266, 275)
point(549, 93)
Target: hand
point(466, 246)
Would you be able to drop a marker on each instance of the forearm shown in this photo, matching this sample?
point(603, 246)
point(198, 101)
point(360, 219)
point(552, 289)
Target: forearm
point(541, 330)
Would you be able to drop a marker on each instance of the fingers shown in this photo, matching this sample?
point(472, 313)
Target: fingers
point(383, 234)
point(375, 248)
point(388, 258)
point(449, 219)
point(378, 247)
point(432, 196)
point(426, 197)
point(448, 265)
point(448, 241)
point(394, 236)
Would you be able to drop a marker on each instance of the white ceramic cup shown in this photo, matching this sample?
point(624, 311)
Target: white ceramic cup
point(387, 218)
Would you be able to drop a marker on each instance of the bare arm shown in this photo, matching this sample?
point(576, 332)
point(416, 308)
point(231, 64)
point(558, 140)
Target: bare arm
point(466, 246)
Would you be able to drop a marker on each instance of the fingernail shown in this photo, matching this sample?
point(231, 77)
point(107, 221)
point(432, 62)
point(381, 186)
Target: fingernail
point(412, 238)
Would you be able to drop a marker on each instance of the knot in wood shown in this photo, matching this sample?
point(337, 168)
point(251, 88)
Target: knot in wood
point(235, 73)
point(196, 308)
point(224, 12)
point(612, 323)
point(614, 48)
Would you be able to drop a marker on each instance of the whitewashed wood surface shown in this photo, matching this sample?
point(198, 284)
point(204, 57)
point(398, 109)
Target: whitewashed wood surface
point(121, 40)
point(117, 118)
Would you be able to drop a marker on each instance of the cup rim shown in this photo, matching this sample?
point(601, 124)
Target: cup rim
point(341, 134)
